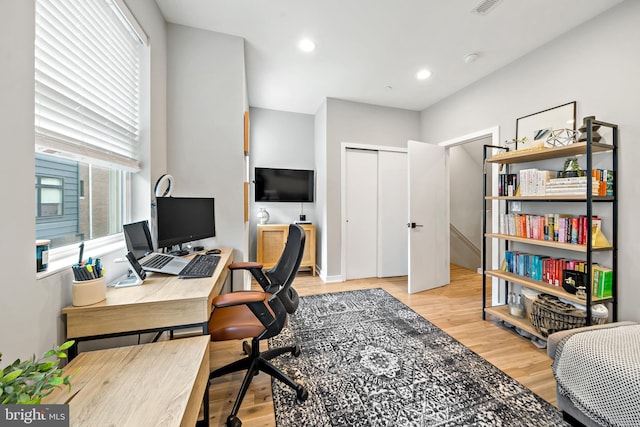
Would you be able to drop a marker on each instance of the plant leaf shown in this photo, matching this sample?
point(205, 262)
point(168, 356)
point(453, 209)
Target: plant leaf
point(12, 375)
point(64, 346)
point(56, 381)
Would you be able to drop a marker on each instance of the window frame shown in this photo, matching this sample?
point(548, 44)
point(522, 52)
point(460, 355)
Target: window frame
point(39, 187)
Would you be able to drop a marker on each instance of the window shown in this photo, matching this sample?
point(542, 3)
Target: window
point(87, 117)
point(49, 192)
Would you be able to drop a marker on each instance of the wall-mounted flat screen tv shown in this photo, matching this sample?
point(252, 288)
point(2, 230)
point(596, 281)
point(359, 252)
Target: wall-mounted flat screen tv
point(283, 185)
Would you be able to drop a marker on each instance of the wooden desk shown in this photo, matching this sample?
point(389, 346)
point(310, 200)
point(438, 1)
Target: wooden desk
point(161, 303)
point(157, 384)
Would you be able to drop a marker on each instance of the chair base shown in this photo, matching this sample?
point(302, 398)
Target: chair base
point(255, 363)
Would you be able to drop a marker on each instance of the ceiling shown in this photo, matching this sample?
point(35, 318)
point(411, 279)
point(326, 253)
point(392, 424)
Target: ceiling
point(371, 54)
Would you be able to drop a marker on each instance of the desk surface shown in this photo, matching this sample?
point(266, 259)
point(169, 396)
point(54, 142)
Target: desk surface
point(161, 301)
point(158, 384)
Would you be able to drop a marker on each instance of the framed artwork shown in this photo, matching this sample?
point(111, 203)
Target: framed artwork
point(246, 202)
point(246, 132)
point(538, 127)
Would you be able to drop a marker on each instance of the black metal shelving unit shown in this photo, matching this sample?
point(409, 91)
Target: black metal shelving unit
point(587, 148)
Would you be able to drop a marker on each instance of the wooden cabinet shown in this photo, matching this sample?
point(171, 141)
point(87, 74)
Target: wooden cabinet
point(271, 241)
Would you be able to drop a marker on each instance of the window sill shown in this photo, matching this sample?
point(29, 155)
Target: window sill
point(64, 260)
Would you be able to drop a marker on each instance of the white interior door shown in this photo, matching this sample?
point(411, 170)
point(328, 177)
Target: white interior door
point(361, 213)
point(392, 214)
point(429, 215)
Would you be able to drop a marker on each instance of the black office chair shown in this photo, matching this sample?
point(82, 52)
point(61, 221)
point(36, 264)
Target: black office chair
point(274, 279)
point(259, 315)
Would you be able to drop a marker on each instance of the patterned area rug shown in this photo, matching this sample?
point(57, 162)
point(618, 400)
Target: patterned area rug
point(369, 360)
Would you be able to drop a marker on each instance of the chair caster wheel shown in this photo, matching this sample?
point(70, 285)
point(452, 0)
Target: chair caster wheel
point(297, 351)
point(246, 348)
point(233, 421)
point(302, 394)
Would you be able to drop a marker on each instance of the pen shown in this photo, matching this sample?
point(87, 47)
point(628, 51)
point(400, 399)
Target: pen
point(81, 253)
point(98, 267)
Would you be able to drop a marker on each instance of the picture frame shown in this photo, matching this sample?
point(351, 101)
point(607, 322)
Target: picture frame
point(246, 132)
point(537, 127)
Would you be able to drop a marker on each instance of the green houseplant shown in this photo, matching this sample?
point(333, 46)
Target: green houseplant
point(571, 168)
point(27, 382)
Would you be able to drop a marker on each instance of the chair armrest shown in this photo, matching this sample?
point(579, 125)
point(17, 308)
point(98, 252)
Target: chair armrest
point(244, 265)
point(238, 298)
point(554, 339)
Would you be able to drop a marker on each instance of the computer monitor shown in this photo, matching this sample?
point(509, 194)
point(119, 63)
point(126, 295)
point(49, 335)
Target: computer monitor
point(184, 219)
point(138, 238)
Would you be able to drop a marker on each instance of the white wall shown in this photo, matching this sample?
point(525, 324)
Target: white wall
point(596, 65)
point(205, 110)
point(30, 308)
point(354, 122)
point(320, 150)
point(465, 168)
point(279, 139)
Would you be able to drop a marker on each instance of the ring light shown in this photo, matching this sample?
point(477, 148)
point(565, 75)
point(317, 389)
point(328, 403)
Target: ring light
point(165, 180)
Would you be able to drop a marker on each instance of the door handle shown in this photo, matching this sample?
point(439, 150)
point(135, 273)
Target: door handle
point(414, 225)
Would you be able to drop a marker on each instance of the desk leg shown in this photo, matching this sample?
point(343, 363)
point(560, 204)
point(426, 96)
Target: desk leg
point(205, 408)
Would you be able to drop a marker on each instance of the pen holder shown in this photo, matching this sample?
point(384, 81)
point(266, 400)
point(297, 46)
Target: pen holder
point(88, 292)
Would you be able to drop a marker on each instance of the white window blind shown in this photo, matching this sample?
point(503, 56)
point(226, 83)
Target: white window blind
point(87, 82)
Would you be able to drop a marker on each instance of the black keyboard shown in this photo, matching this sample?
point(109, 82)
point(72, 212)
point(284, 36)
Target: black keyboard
point(157, 261)
point(200, 266)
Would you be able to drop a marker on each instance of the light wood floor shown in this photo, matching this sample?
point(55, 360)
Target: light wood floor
point(455, 308)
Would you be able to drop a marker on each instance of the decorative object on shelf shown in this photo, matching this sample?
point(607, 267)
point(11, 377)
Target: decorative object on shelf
point(516, 305)
point(571, 168)
point(263, 216)
point(561, 137)
point(512, 144)
point(595, 136)
point(42, 254)
point(574, 281)
point(537, 127)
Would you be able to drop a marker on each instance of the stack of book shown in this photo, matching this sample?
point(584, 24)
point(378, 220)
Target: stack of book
point(560, 228)
point(507, 184)
point(533, 181)
point(602, 281)
point(541, 267)
point(605, 181)
point(571, 186)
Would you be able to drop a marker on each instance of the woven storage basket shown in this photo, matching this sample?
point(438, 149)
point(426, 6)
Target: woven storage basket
point(549, 315)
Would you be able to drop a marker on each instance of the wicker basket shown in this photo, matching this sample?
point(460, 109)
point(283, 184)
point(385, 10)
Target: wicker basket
point(549, 315)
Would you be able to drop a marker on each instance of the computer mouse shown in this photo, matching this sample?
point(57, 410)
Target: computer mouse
point(213, 251)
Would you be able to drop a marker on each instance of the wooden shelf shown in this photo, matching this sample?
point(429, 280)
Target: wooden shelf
point(542, 287)
point(502, 312)
point(548, 243)
point(549, 198)
point(548, 153)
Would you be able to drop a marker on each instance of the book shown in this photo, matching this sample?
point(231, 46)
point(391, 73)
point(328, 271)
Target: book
point(602, 281)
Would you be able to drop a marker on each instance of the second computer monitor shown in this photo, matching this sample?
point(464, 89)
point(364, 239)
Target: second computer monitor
point(184, 219)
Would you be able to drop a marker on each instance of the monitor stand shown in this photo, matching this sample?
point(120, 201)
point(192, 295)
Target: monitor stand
point(179, 252)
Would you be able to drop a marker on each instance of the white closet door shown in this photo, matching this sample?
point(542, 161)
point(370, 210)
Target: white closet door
point(393, 214)
point(361, 220)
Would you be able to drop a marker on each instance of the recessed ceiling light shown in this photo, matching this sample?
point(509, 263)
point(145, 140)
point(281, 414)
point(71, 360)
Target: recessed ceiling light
point(423, 74)
point(307, 45)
